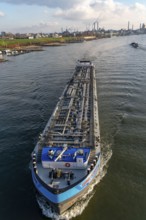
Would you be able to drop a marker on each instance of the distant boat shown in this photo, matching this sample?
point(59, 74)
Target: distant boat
point(133, 44)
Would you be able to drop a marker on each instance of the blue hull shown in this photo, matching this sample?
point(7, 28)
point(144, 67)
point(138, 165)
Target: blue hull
point(61, 202)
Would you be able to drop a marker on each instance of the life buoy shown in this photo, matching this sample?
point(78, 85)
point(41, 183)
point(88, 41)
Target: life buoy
point(67, 164)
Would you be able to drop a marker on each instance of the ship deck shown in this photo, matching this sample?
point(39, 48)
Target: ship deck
point(62, 181)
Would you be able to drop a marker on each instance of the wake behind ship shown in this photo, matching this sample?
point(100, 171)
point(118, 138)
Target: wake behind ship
point(66, 159)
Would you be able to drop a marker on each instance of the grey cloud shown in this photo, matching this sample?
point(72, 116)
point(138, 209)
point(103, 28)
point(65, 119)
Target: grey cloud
point(49, 3)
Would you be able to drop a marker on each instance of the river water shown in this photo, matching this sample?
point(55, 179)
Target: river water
point(30, 86)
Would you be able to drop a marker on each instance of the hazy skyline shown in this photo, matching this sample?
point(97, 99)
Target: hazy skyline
point(52, 15)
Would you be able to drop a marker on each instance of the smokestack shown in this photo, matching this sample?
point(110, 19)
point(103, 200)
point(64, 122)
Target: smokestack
point(128, 25)
point(97, 25)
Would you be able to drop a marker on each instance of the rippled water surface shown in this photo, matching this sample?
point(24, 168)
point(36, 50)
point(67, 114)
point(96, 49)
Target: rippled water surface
point(30, 86)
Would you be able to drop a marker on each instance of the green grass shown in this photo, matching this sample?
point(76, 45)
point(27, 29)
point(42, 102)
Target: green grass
point(11, 43)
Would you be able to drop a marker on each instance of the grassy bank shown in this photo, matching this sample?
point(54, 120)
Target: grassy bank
point(14, 43)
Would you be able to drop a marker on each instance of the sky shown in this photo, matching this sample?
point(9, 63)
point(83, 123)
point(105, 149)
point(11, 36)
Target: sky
point(47, 16)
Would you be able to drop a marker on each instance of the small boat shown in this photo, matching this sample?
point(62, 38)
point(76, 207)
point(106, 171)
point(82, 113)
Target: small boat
point(133, 44)
point(66, 159)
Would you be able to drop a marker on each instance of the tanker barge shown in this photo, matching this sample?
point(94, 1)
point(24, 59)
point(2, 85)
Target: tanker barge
point(66, 158)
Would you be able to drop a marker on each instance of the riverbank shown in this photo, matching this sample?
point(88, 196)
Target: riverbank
point(15, 43)
point(3, 60)
point(21, 46)
point(19, 43)
point(20, 50)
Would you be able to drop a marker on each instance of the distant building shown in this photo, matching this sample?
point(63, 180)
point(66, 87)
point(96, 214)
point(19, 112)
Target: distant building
point(143, 26)
point(38, 36)
point(56, 35)
point(3, 34)
point(31, 37)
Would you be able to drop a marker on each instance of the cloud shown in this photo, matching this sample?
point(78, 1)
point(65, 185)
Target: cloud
point(2, 14)
point(109, 13)
point(78, 12)
point(138, 6)
point(49, 3)
point(43, 26)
